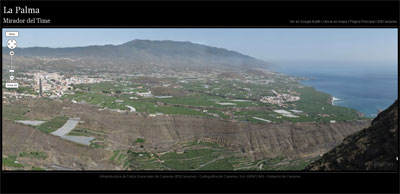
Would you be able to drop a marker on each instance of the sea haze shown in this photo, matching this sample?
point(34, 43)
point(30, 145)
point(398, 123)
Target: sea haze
point(368, 88)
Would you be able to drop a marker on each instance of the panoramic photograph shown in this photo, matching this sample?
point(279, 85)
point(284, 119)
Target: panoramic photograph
point(200, 99)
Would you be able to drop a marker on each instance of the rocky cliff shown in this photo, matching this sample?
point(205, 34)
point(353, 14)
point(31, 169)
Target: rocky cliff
point(120, 131)
point(373, 148)
point(256, 140)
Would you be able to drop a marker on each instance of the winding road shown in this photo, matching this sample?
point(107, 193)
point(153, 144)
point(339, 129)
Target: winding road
point(68, 127)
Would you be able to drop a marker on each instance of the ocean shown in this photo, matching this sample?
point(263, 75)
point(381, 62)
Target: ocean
point(366, 88)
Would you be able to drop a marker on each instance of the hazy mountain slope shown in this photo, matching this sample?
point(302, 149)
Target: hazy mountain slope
point(373, 148)
point(147, 52)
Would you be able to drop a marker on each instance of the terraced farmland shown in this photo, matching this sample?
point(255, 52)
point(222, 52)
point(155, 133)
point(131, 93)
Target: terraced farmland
point(202, 156)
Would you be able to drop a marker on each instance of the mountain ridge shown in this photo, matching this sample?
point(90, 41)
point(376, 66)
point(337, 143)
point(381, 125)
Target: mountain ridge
point(162, 52)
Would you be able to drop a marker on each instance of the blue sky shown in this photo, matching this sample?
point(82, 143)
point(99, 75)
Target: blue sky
point(273, 45)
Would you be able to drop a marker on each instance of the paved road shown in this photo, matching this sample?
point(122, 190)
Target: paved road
point(261, 119)
point(58, 167)
point(29, 122)
point(67, 127)
point(78, 139)
point(219, 158)
point(132, 108)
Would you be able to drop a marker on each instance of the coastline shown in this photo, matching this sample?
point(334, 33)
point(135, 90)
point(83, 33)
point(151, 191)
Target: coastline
point(333, 99)
point(366, 99)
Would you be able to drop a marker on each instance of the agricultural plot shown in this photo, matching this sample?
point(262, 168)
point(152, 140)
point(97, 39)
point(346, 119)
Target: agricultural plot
point(11, 161)
point(317, 105)
point(37, 155)
point(282, 163)
point(200, 156)
point(207, 101)
point(215, 99)
point(80, 132)
point(53, 124)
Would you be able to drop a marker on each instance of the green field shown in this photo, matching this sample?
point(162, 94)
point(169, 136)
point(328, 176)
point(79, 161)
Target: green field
point(10, 162)
point(282, 163)
point(141, 161)
point(205, 101)
point(37, 155)
point(37, 168)
point(199, 156)
point(315, 103)
point(115, 154)
point(53, 124)
point(142, 105)
point(96, 145)
point(78, 131)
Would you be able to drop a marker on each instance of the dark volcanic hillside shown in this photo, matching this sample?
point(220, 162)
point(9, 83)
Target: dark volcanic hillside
point(373, 148)
point(165, 133)
point(168, 54)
